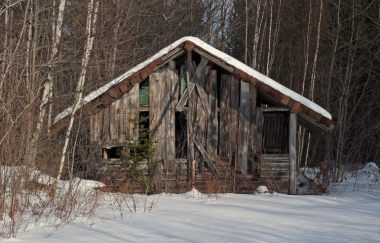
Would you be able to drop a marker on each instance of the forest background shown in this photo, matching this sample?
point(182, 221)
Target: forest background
point(54, 52)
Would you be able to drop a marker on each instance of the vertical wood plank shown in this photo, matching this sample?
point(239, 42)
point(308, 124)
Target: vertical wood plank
point(134, 107)
point(113, 122)
point(98, 120)
point(225, 86)
point(92, 130)
point(106, 127)
point(122, 114)
point(174, 84)
point(190, 143)
point(126, 113)
point(244, 127)
point(155, 96)
point(234, 118)
point(259, 133)
point(212, 120)
point(252, 144)
point(292, 153)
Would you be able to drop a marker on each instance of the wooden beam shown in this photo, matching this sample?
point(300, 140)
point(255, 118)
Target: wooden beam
point(170, 56)
point(259, 130)
point(296, 107)
point(214, 60)
point(273, 109)
point(174, 81)
point(189, 130)
point(252, 138)
point(181, 103)
point(292, 153)
point(105, 99)
point(202, 96)
point(189, 45)
point(224, 126)
point(115, 92)
point(206, 156)
point(234, 118)
point(212, 118)
point(244, 127)
point(194, 80)
point(285, 100)
point(124, 87)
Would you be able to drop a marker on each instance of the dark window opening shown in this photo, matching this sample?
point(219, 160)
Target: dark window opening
point(180, 135)
point(275, 133)
point(112, 153)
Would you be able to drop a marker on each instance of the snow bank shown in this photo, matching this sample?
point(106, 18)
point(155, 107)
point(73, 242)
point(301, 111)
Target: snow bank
point(193, 193)
point(262, 190)
point(224, 57)
point(370, 166)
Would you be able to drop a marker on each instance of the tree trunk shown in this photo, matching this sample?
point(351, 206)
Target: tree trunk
point(90, 29)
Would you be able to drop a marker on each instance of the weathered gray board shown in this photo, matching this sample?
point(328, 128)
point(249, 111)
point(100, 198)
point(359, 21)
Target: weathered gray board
point(224, 117)
point(244, 136)
point(292, 153)
point(108, 127)
point(212, 119)
point(275, 166)
point(253, 143)
point(164, 86)
point(198, 108)
point(234, 118)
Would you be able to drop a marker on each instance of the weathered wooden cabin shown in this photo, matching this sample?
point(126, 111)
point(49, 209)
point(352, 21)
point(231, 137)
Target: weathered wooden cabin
point(212, 115)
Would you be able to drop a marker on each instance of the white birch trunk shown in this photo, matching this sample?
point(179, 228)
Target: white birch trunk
point(246, 33)
point(314, 70)
point(90, 27)
point(50, 67)
point(48, 85)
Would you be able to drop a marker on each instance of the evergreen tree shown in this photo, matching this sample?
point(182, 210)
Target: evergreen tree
point(140, 146)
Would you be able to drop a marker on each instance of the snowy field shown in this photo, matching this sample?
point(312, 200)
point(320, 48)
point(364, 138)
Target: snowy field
point(350, 213)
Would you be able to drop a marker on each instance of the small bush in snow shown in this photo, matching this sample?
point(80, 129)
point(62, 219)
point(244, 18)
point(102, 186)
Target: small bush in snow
point(322, 181)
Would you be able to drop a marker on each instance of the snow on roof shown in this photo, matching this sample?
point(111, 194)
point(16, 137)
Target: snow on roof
point(222, 56)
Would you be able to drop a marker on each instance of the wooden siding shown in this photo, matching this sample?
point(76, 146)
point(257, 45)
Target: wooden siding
point(226, 131)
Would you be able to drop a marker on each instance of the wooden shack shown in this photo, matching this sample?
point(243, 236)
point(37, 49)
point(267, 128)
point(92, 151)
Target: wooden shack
point(212, 115)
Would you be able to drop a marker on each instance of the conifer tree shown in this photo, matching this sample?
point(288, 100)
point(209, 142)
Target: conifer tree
point(140, 146)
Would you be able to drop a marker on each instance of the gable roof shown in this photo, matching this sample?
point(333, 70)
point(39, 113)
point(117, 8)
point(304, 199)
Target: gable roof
point(310, 111)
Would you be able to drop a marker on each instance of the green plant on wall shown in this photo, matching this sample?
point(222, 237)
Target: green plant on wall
point(140, 145)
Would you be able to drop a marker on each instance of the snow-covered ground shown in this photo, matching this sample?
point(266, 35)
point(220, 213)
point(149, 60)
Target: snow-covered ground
point(350, 213)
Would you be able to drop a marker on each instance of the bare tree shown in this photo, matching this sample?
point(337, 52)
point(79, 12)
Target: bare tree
point(90, 31)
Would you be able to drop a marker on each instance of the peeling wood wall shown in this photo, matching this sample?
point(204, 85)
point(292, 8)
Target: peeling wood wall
point(226, 131)
point(108, 126)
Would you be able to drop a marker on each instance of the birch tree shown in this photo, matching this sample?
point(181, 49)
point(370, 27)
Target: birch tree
point(90, 31)
point(47, 90)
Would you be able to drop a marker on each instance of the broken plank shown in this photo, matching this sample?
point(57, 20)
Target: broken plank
point(213, 59)
point(204, 153)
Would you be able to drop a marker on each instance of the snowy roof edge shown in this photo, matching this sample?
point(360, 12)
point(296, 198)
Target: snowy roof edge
point(222, 56)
